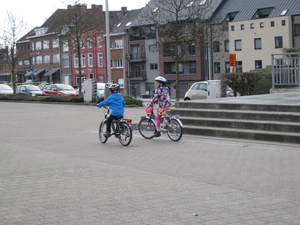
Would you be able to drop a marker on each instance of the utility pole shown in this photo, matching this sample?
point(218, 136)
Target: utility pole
point(107, 43)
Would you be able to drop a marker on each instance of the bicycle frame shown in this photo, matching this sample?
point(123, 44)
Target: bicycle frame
point(121, 128)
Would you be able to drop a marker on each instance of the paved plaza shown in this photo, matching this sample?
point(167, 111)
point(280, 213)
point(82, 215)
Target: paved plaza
point(54, 170)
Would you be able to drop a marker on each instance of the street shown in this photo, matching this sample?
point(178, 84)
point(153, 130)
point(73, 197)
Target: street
point(54, 170)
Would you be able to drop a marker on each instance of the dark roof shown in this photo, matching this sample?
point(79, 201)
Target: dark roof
point(209, 7)
point(247, 9)
point(120, 26)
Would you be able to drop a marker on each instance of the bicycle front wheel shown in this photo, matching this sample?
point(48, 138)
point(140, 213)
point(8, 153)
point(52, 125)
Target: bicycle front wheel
point(147, 128)
point(102, 130)
point(174, 130)
point(125, 133)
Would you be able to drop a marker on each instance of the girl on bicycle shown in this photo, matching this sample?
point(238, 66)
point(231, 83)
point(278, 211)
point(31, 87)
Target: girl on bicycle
point(162, 98)
point(116, 103)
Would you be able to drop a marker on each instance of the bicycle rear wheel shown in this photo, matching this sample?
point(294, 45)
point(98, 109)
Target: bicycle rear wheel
point(147, 128)
point(125, 133)
point(174, 130)
point(102, 130)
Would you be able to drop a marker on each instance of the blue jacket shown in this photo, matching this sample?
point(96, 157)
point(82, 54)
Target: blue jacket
point(116, 103)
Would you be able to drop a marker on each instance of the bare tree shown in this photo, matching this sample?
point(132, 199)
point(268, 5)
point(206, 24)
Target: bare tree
point(12, 32)
point(183, 26)
point(78, 24)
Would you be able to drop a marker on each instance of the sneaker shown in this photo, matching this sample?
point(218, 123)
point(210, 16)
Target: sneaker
point(107, 134)
point(157, 134)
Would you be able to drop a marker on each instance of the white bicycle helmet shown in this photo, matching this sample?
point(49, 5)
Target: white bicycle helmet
point(161, 79)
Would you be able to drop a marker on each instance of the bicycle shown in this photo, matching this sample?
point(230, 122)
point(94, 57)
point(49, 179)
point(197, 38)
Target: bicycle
point(121, 128)
point(170, 125)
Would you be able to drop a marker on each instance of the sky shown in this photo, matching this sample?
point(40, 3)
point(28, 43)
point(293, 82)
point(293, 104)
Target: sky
point(35, 12)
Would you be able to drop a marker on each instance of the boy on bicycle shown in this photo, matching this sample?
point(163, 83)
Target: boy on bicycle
point(162, 98)
point(116, 103)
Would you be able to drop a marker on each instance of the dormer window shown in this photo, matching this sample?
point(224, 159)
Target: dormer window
point(189, 4)
point(202, 2)
point(231, 16)
point(283, 12)
point(155, 10)
point(263, 13)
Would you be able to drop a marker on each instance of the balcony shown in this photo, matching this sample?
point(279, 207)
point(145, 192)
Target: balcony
point(138, 57)
point(137, 75)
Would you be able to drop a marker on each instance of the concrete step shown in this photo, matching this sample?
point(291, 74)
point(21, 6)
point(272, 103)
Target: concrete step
point(263, 125)
point(272, 136)
point(238, 114)
point(238, 106)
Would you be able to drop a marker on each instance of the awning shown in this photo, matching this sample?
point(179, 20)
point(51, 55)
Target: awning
point(28, 74)
point(4, 74)
point(37, 72)
point(51, 71)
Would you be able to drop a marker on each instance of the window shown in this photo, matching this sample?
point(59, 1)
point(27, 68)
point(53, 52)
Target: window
point(153, 66)
point(232, 28)
point(297, 29)
point(83, 60)
point(65, 46)
point(89, 43)
point(272, 23)
point(227, 67)
point(258, 64)
point(251, 25)
point(90, 59)
point(39, 59)
point(257, 43)
point(55, 43)
point(46, 44)
point(118, 43)
point(152, 48)
point(55, 58)
point(226, 45)
point(202, 2)
point(239, 66)
point(263, 13)
point(66, 63)
point(116, 63)
point(238, 45)
point(38, 45)
point(216, 46)
point(217, 68)
point(283, 12)
point(242, 26)
point(283, 22)
point(261, 24)
point(100, 60)
point(278, 42)
point(99, 42)
point(76, 61)
point(46, 59)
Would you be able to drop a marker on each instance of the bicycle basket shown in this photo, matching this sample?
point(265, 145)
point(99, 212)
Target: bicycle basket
point(148, 109)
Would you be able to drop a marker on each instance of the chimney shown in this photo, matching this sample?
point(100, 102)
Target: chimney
point(99, 7)
point(124, 10)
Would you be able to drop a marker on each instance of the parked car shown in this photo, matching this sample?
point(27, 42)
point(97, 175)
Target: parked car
point(59, 89)
point(197, 91)
point(5, 89)
point(29, 89)
point(100, 90)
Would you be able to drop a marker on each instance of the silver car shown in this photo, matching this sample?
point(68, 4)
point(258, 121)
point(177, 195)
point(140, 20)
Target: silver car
point(5, 89)
point(197, 91)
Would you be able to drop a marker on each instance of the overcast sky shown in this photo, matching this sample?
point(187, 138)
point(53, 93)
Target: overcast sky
point(35, 12)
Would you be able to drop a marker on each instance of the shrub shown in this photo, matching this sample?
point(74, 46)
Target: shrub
point(248, 83)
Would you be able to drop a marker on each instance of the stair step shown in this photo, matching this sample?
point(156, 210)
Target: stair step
point(239, 114)
point(242, 124)
point(291, 137)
